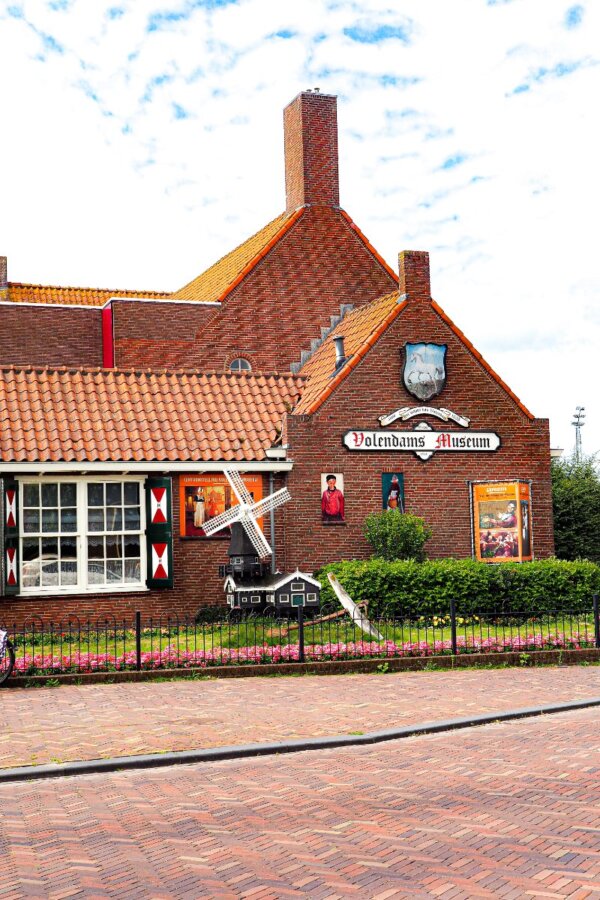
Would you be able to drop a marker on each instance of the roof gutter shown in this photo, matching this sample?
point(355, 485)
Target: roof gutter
point(87, 467)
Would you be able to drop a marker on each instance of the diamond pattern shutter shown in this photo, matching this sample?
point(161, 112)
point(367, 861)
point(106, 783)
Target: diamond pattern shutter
point(159, 532)
point(10, 537)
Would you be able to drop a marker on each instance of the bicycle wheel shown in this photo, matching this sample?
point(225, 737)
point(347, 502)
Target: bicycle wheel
point(7, 663)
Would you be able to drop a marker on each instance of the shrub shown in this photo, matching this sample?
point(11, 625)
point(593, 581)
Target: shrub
point(397, 535)
point(406, 589)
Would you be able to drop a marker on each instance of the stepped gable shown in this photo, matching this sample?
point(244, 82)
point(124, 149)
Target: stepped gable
point(98, 415)
point(361, 329)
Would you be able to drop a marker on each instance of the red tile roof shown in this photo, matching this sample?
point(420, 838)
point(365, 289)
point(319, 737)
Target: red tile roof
point(361, 329)
point(54, 415)
point(71, 296)
point(217, 281)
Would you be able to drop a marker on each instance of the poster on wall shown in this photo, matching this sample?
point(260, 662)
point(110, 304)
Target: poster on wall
point(392, 490)
point(332, 498)
point(202, 497)
point(502, 522)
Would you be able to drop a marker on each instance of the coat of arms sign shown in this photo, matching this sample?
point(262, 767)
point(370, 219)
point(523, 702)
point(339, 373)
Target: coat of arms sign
point(424, 369)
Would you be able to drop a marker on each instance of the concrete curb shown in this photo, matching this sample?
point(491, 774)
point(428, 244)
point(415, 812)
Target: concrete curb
point(218, 754)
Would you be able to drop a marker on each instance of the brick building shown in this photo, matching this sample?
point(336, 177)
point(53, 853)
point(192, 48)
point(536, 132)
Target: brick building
point(298, 355)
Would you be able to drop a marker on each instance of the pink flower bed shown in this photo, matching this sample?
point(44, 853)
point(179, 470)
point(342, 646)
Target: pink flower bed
point(171, 658)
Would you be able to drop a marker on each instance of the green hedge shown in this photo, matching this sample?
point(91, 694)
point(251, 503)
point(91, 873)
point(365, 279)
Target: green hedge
point(403, 588)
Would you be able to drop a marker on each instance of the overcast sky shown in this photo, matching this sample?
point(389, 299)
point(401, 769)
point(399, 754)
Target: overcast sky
point(143, 140)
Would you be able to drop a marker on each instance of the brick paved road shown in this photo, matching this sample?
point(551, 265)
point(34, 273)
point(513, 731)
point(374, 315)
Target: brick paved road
point(91, 721)
point(510, 810)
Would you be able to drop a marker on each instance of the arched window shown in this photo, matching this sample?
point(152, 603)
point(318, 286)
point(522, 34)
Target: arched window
point(239, 364)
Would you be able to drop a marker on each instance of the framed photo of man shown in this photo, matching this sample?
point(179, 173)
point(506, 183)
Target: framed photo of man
point(333, 504)
point(392, 491)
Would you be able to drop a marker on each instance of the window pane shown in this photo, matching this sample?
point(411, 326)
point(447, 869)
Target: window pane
point(114, 494)
point(68, 573)
point(68, 549)
point(132, 546)
point(31, 574)
point(95, 573)
point(114, 549)
point(49, 495)
point(95, 494)
point(31, 549)
point(132, 493)
point(31, 520)
point(49, 548)
point(114, 518)
point(132, 571)
point(68, 519)
point(96, 519)
point(31, 495)
point(95, 548)
point(49, 573)
point(132, 518)
point(114, 570)
point(68, 494)
point(49, 520)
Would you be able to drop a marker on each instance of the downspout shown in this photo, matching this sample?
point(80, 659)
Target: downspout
point(108, 342)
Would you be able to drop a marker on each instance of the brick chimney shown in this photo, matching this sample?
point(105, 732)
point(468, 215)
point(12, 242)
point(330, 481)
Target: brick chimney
point(414, 283)
point(3, 276)
point(311, 151)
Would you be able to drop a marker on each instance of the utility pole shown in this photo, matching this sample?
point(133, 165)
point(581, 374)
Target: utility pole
point(578, 417)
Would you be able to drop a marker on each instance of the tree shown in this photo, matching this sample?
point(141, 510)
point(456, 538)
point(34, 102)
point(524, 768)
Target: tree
point(396, 535)
point(576, 504)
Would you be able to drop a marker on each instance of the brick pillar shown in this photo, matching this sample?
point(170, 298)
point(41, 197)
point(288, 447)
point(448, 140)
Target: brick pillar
point(414, 282)
point(311, 151)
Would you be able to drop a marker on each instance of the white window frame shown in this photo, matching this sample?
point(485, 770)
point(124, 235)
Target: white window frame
point(81, 535)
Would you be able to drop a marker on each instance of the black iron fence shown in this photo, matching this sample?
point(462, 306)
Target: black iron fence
point(111, 644)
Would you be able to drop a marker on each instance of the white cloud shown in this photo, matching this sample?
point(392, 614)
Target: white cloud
point(107, 188)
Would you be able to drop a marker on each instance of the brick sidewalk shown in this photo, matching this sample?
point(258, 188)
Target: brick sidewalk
point(97, 721)
point(509, 810)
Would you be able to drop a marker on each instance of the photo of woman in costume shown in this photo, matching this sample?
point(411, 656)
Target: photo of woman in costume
point(199, 508)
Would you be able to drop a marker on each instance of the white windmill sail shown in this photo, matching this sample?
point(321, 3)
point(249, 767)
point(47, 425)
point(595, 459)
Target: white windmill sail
point(356, 614)
point(247, 512)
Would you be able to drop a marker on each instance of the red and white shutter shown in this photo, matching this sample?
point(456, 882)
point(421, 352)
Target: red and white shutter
point(10, 536)
point(159, 532)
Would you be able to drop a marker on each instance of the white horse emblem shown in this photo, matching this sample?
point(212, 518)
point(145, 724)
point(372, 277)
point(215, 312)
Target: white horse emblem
point(424, 369)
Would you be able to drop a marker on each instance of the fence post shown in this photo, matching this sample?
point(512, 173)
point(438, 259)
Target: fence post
point(453, 626)
point(301, 634)
point(138, 641)
point(596, 621)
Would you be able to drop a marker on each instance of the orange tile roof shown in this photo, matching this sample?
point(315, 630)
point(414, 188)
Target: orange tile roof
point(71, 296)
point(55, 415)
point(217, 281)
point(361, 329)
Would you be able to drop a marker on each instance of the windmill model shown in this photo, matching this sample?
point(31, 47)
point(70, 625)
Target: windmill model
point(247, 512)
point(248, 584)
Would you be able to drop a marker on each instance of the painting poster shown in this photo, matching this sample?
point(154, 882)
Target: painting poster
point(202, 497)
point(392, 490)
point(502, 522)
point(332, 498)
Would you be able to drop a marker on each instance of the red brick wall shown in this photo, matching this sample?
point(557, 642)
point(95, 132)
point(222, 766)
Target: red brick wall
point(157, 334)
point(281, 306)
point(436, 489)
point(311, 151)
point(50, 336)
point(196, 583)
